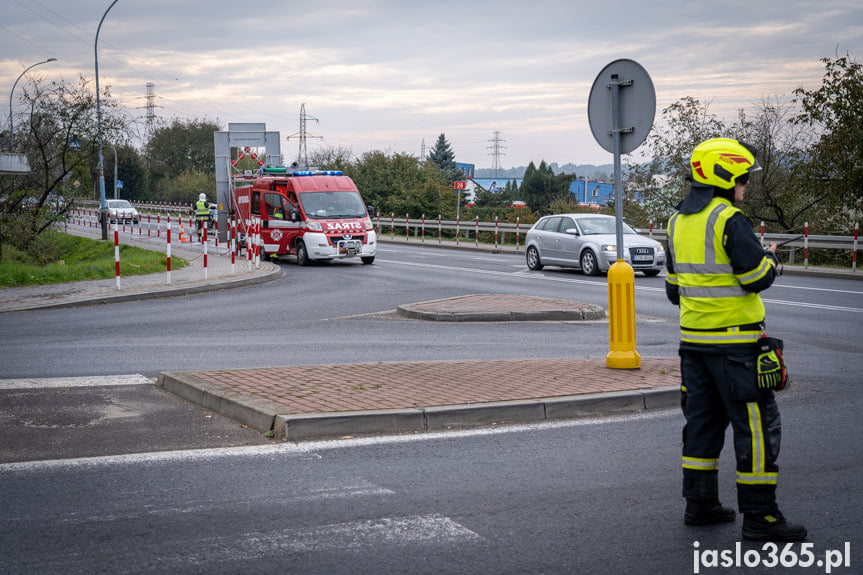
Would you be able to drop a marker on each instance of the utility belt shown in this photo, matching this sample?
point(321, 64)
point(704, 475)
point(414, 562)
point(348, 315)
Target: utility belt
point(771, 372)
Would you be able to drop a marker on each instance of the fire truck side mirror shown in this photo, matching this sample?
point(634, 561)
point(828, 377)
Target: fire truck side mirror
point(295, 215)
point(371, 210)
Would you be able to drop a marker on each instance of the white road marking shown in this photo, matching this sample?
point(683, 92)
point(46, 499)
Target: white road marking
point(310, 449)
point(604, 285)
point(86, 381)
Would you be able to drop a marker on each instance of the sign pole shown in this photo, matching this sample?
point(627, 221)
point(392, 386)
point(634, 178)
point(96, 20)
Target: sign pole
point(620, 122)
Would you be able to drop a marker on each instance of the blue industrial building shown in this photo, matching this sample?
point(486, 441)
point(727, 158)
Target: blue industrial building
point(587, 192)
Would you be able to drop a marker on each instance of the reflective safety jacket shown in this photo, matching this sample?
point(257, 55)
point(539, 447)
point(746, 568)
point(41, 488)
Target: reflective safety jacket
point(201, 210)
point(715, 269)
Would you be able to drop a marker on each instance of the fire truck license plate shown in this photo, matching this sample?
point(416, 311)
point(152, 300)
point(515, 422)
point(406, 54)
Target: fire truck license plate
point(351, 248)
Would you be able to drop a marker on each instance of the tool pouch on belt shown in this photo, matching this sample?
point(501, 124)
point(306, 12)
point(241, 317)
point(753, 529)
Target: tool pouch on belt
point(772, 373)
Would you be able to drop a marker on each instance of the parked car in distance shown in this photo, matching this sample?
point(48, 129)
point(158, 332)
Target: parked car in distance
point(120, 211)
point(589, 242)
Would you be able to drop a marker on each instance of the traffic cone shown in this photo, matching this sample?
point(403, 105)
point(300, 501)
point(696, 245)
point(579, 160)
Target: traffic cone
point(182, 233)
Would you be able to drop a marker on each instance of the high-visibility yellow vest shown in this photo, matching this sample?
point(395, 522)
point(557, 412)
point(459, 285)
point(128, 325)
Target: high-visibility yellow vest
point(201, 209)
point(713, 304)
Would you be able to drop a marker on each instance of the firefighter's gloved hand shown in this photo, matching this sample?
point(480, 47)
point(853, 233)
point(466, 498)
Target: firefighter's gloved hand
point(772, 374)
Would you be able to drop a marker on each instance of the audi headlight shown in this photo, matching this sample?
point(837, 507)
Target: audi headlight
point(660, 248)
point(609, 248)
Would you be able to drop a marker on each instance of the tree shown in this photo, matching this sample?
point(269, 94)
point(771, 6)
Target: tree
point(130, 171)
point(331, 158)
point(400, 184)
point(444, 158)
point(59, 135)
point(835, 170)
point(540, 187)
point(663, 181)
point(178, 147)
point(775, 194)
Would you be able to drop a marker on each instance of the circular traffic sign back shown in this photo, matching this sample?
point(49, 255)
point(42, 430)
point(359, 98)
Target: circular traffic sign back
point(636, 106)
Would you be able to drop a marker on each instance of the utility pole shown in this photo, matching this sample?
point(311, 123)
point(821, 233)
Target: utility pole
point(423, 151)
point(303, 135)
point(496, 153)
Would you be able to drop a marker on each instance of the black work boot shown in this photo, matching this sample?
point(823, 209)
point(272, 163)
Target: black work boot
point(771, 527)
point(707, 512)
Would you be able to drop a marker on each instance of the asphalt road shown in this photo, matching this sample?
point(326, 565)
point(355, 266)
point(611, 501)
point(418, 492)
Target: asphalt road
point(332, 314)
point(593, 497)
point(597, 496)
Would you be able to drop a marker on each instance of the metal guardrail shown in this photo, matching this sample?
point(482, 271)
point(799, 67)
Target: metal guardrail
point(468, 228)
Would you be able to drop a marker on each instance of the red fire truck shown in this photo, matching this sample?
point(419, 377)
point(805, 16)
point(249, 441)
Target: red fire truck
point(310, 214)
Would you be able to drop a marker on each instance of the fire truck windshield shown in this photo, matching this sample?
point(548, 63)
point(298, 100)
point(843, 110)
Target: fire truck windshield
point(328, 205)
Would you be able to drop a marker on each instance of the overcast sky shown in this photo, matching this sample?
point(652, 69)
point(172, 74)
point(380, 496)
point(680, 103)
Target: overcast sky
point(381, 74)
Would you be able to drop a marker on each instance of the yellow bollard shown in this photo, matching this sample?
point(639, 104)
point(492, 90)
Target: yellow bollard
point(621, 317)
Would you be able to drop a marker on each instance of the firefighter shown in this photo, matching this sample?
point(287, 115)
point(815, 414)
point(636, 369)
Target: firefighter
point(715, 271)
point(202, 213)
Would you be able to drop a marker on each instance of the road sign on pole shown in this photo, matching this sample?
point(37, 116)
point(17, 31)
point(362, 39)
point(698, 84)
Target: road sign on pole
point(621, 109)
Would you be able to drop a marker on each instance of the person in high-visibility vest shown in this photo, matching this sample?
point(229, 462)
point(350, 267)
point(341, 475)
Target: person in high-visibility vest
point(202, 213)
point(715, 271)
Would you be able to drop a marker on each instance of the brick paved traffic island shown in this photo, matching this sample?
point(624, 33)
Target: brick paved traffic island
point(346, 399)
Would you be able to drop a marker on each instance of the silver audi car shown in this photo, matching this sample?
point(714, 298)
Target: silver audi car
point(589, 242)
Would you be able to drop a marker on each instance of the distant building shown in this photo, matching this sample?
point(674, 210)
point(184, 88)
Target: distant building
point(597, 193)
point(466, 169)
point(589, 192)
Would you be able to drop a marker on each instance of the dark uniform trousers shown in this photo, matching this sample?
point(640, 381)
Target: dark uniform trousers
point(718, 389)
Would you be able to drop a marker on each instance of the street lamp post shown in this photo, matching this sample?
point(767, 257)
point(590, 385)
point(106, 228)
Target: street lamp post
point(11, 129)
point(102, 204)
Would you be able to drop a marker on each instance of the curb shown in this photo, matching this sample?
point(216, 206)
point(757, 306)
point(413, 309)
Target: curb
point(264, 416)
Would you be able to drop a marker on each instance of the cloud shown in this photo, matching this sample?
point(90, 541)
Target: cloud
point(386, 74)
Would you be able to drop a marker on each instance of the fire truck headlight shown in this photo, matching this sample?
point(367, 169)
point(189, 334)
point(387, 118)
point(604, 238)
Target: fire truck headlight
point(315, 227)
point(369, 225)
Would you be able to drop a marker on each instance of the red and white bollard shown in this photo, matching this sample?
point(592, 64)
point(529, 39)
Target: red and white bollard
point(117, 253)
point(233, 246)
point(204, 242)
point(762, 234)
point(407, 228)
point(439, 230)
point(806, 245)
point(258, 244)
point(854, 254)
point(168, 257)
point(392, 225)
point(423, 228)
point(495, 231)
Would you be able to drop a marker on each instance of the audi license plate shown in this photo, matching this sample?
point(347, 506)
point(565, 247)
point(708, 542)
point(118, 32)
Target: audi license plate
point(642, 258)
point(349, 248)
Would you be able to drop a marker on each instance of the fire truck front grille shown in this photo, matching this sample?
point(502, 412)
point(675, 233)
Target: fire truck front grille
point(336, 239)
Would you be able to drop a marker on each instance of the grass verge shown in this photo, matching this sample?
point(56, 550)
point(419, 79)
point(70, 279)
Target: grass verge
point(79, 259)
